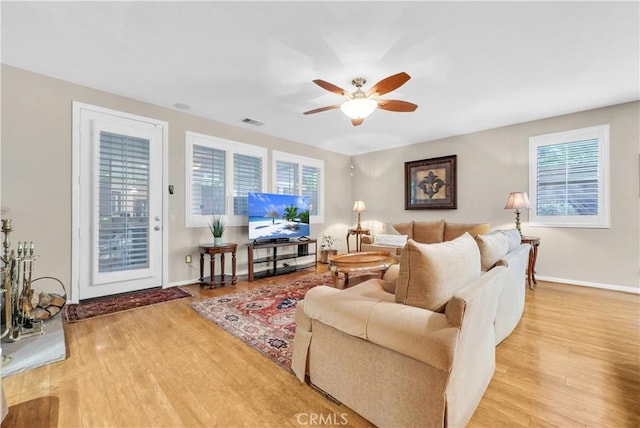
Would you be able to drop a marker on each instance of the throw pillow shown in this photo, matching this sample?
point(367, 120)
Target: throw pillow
point(514, 238)
point(388, 229)
point(390, 240)
point(493, 246)
point(430, 274)
point(390, 278)
point(453, 230)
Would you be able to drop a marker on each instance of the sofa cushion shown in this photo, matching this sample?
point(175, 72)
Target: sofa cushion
point(348, 312)
point(373, 288)
point(428, 232)
point(404, 229)
point(430, 274)
point(453, 230)
point(391, 240)
point(493, 246)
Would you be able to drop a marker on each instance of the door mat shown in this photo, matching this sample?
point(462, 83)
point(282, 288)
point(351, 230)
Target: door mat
point(112, 304)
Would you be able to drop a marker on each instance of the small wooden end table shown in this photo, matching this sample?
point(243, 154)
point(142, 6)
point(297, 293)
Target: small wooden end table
point(212, 250)
point(376, 261)
point(358, 232)
point(534, 241)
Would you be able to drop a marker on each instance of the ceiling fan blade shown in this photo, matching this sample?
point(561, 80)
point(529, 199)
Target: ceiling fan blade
point(357, 122)
point(396, 105)
point(388, 84)
point(332, 88)
point(318, 110)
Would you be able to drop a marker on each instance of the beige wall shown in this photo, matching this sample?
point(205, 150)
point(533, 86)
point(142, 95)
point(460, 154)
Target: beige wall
point(36, 181)
point(36, 171)
point(495, 162)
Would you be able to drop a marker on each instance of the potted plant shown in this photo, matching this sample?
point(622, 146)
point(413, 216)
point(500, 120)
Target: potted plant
point(217, 227)
point(326, 248)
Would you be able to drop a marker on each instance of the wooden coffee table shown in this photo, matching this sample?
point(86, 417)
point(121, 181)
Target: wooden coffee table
point(369, 261)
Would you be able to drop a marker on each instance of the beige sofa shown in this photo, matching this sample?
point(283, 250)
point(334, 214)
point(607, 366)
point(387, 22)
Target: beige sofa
point(504, 248)
point(416, 348)
point(426, 232)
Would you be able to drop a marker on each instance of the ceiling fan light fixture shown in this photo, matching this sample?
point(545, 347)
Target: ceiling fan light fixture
point(358, 108)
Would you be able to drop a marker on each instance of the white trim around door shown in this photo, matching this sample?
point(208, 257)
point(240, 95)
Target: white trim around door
point(88, 122)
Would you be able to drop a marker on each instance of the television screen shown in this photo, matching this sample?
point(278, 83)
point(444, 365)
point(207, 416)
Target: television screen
point(274, 217)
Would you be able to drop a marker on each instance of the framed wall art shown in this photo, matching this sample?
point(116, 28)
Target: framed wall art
point(430, 184)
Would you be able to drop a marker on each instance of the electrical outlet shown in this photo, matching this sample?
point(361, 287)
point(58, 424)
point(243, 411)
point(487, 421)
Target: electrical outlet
point(187, 258)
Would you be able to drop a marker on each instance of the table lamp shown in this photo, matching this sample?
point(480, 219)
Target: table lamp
point(359, 207)
point(518, 201)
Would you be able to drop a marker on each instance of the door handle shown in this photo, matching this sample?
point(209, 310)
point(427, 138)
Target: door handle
point(156, 228)
point(157, 218)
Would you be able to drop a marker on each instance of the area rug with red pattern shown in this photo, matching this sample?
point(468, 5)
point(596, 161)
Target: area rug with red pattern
point(123, 302)
point(262, 318)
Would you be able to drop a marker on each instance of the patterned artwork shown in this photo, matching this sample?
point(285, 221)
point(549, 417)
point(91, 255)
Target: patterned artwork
point(262, 318)
point(431, 183)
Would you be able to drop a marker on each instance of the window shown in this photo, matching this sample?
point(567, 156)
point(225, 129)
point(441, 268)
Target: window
point(569, 178)
point(123, 189)
point(298, 175)
point(220, 173)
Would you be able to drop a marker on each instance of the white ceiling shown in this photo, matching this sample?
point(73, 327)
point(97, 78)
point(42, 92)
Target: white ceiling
point(474, 65)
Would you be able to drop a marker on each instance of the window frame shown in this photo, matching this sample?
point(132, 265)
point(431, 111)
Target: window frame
point(301, 161)
point(231, 148)
point(598, 221)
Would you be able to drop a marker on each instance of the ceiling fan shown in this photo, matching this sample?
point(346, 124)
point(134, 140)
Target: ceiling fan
point(361, 104)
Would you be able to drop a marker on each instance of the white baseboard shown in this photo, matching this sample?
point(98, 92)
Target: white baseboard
point(194, 281)
point(613, 287)
point(181, 283)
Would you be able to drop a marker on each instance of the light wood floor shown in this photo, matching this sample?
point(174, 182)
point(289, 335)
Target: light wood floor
point(572, 362)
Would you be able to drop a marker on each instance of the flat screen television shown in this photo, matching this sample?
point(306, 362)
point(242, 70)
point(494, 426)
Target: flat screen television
point(274, 217)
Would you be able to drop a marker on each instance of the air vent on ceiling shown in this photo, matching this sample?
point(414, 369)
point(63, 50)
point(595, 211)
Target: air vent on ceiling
point(252, 122)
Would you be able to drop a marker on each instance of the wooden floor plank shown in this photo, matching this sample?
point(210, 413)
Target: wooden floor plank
point(572, 361)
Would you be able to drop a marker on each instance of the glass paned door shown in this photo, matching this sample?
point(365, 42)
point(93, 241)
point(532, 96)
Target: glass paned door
point(120, 208)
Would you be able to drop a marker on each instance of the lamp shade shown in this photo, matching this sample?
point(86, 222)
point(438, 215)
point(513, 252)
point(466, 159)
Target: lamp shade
point(359, 207)
point(517, 200)
point(358, 108)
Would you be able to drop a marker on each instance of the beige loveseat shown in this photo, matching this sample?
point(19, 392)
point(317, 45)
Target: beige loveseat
point(426, 232)
point(416, 348)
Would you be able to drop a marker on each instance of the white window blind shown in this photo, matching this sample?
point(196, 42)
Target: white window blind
point(208, 197)
point(311, 187)
point(219, 175)
point(247, 177)
point(123, 224)
point(286, 178)
point(299, 175)
point(568, 178)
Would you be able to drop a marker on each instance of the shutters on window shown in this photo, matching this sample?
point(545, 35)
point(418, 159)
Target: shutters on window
point(286, 178)
point(311, 187)
point(247, 177)
point(208, 183)
point(302, 176)
point(567, 179)
point(220, 175)
point(123, 223)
